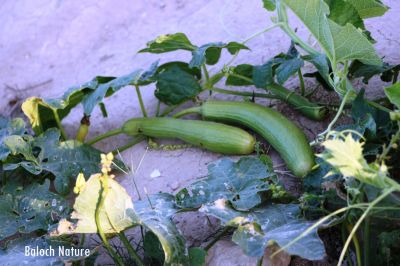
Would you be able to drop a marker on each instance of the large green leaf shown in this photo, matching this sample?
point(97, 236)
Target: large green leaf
point(393, 93)
point(65, 160)
point(176, 83)
point(340, 43)
point(369, 8)
point(30, 209)
point(155, 214)
point(238, 182)
point(168, 43)
point(262, 226)
point(119, 213)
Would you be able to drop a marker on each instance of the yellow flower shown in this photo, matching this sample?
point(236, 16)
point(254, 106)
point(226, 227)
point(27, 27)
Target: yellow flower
point(80, 184)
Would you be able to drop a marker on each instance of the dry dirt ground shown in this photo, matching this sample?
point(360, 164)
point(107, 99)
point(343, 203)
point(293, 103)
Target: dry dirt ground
point(48, 45)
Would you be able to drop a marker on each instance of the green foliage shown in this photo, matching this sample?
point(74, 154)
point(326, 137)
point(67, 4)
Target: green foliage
point(240, 183)
point(270, 5)
point(153, 249)
point(336, 40)
point(15, 127)
point(64, 159)
point(275, 222)
point(28, 209)
point(393, 93)
point(207, 53)
point(42, 113)
point(386, 71)
point(177, 83)
point(197, 256)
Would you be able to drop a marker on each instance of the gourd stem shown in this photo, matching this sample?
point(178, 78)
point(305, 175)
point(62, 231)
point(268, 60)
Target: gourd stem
point(193, 110)
point(130, 249)
point(141, 101)
point(104, 136)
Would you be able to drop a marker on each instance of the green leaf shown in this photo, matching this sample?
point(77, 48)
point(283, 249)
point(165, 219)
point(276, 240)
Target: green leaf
point(30, 209)
point(273, 223)
point(388, 247)
point(176, 83)
point(65, 160)
point(168, 43)
point(369, 8)
point(363, 115)
point(153, 248)
point(270, 5)
point(197, 257)
point(20, 145)
point(211, 52)
point(41, 112)
point(320, 61)
point(386, 71)
point(245, 70)
point(263, 75)
point(340, 43)
point(91, 100)
point(393, 93)
point(343, 12)
point(346, 39)
point(238, 182)
point(155, 214)
point(288, 68)
point(312, 182)
point(9, 128)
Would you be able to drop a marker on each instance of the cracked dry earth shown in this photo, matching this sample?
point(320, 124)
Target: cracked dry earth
point(48, 45)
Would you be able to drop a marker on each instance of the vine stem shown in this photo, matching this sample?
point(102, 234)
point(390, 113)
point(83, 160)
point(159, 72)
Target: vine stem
point(356, 245)
point(103, 193)
point(216, 238)
point(59, 125)
point(245, 93)
point(252, 37)
point(130, 249)
point(139, 94)
point(205, 71)
point(354, 230)
point(302, 86)
point(387, 148)
point(366, 241)
point(129, 144)
point(283, 19)
point(339, 112)
point(104, 136)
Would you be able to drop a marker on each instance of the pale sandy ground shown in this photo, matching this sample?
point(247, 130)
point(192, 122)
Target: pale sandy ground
point(48, 45)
